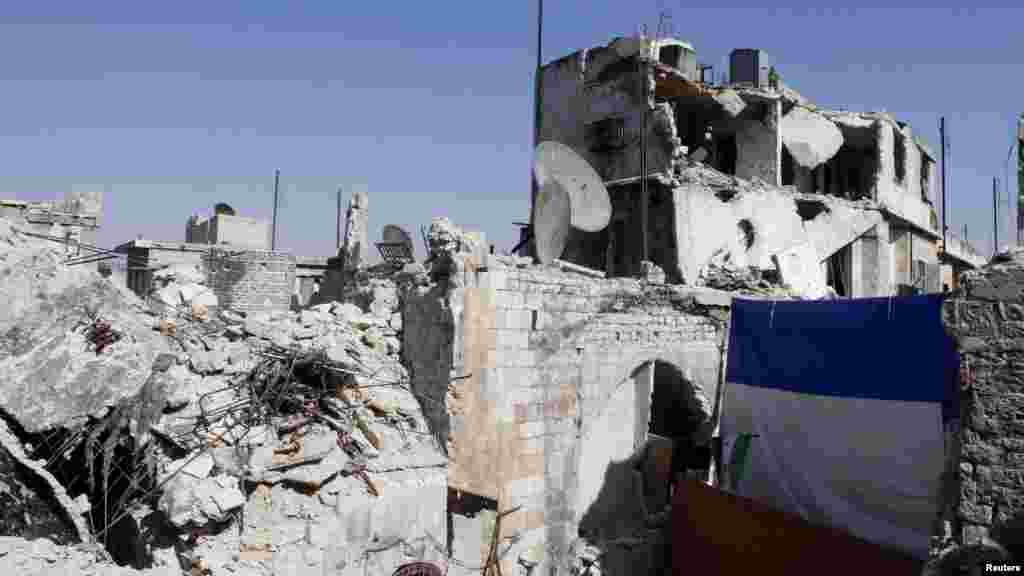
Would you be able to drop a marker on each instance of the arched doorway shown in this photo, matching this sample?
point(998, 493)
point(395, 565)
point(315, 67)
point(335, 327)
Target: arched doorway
point(672, 420)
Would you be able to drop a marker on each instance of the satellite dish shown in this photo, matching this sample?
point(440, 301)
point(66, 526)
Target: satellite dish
point(395, 245)
point(392, 234)
point(552, 211)
point(590, 205)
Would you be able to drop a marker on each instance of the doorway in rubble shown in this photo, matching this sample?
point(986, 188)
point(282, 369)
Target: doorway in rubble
point(669, 418)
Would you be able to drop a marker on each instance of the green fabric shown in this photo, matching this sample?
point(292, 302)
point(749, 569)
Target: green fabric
point(739, 460)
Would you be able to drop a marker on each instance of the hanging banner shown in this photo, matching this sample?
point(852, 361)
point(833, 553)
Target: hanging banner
point(1020, 174)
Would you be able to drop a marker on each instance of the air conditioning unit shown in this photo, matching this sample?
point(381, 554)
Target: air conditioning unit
point(749, 66)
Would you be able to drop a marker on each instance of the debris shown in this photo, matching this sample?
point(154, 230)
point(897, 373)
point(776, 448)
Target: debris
point(200, 313)
point(188, 502)
point(799, 269)
point(569, 266)
point(102, 335)
point(167, 327)
point(730, 101)
point(811, 138)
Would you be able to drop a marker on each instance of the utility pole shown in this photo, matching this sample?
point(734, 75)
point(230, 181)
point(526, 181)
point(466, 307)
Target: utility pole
point(942, 143)
point(644, 197)
point(995, 216)
point(537, 92)
point(337, 227)
point(273, 225)
point(1006, 186)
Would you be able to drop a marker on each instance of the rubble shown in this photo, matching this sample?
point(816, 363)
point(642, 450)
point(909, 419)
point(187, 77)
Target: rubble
point(811, 138)
point(312, 405)
point(45, 325)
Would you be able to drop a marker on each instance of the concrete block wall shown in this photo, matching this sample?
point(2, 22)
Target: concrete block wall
point(539, 359)
point(987, 318)
point(143, 261)
point(251, 280)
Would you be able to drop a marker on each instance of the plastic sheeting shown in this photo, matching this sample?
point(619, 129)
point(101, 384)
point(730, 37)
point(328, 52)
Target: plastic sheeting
point(840, 406)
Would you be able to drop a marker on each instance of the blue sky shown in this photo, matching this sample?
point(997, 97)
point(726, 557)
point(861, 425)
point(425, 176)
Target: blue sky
point(171, 107)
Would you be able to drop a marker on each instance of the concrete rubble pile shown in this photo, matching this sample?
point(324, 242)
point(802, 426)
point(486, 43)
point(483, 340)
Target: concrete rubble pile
point(211, 441)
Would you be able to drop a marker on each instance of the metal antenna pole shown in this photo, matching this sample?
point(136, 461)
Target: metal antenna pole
point(273, 225)
point(644, 197)
point(1006, 187)
point(942, 140)
point(337, 227)
point(995, 216)
point(537, 94)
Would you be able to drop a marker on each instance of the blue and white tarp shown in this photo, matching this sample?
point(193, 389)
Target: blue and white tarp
point(836, 410)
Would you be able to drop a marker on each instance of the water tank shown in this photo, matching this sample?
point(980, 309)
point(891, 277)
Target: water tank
point(680, 56)
point(749, 66)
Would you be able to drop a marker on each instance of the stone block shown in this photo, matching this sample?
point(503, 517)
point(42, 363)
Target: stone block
point(983, 453)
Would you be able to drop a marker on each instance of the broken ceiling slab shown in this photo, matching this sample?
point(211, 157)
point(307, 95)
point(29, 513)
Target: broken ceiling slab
point(800, 270)
point(731, 102)
point(840, 225)
point(812, 139)
point(849, 119)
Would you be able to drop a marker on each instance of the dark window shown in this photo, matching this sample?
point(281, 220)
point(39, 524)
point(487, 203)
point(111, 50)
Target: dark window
point(899, 152)
point(926, 167)
point(853, 181)
point(727, 154)
point(670, 55)
point(606, 134)
point(839, 272)
point(788, 170)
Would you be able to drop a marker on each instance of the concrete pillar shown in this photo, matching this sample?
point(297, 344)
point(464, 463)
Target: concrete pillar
point(858, 288)
point(355, 250)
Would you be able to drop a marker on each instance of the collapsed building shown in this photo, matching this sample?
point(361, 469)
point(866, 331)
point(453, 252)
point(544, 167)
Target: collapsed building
point(76, 218)
point(746, 173)
point(232, 255)
point(471, 410)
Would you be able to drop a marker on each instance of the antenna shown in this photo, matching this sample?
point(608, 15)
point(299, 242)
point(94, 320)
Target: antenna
point(664, 24)
point(570, 195)
point(273, 225)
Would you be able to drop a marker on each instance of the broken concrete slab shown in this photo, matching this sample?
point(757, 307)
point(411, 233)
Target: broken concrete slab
point(800, 268)
point(72, 513)
point(812, 139)
point(187, 502)
point(52, 375)
point(730, 101)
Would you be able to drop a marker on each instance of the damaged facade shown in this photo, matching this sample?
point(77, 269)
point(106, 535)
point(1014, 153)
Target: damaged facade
point(555, 393)
point(76, 218)
point(742, 175)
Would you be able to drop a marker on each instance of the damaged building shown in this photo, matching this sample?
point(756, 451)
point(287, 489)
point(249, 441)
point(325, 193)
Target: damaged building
point(470, 412)
point(745, 175)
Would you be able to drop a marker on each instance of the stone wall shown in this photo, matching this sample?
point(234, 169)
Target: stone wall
point(987, 318)
point(759, 147)
point(537, 369)
point(252, 280)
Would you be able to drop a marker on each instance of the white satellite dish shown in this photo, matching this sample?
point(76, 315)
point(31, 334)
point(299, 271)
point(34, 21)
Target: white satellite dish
point(590, 206)
point(396, 235)
point(551, 215)
point(395, 245)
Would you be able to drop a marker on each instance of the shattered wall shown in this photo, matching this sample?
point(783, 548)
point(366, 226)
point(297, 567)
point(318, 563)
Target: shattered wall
point(252, 280)
point(759, 147)
point(542, 376)
point(585, 88)
point(987, 319)
point(719, 216)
